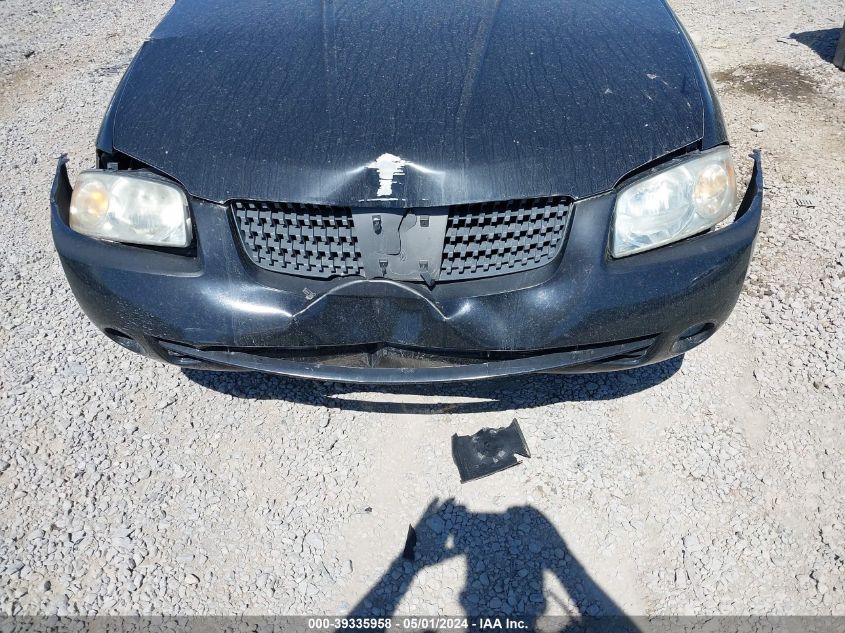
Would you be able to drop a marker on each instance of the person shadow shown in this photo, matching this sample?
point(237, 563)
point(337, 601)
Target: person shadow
point(507, 555)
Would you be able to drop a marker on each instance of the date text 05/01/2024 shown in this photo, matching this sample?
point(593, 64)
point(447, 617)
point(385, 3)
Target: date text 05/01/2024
point(411, 623)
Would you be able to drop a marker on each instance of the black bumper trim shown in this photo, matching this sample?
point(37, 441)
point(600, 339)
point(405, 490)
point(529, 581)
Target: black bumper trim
point(418, 375)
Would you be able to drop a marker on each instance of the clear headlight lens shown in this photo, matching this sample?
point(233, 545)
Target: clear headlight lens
point(677, 203)
point(130, 208)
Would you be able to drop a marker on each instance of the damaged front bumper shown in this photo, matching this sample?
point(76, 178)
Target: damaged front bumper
point(213, 308)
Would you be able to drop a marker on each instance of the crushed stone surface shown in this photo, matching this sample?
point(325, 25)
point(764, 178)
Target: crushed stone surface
point(707, 485)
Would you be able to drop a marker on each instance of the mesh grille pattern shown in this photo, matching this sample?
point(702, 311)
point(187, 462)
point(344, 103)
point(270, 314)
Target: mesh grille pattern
point(300, 239)
point(487, 239)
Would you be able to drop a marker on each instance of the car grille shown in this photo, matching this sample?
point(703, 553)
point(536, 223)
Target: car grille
point(300, 239)
point(480, 240)
point(487, 239)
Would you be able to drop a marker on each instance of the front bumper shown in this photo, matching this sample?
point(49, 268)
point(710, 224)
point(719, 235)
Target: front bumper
point(214, 309)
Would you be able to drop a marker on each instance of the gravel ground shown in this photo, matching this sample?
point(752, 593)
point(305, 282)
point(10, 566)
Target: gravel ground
point(711, 485)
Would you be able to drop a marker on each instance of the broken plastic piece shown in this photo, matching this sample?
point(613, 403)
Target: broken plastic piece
point(410, 544)
point(488, 451)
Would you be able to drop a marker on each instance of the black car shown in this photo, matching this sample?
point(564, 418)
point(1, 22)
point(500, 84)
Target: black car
point(388, 191)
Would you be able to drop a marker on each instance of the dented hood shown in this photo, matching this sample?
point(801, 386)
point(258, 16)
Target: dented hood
point(401, 103)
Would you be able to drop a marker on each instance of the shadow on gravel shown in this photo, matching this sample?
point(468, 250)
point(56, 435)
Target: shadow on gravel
point(524, 392)
point(506, 557)
point(823, 41)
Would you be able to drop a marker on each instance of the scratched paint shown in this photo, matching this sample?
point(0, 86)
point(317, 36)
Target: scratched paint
point(388, 167)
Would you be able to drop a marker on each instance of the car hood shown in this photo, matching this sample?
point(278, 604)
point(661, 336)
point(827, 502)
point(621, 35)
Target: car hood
point(398, 103)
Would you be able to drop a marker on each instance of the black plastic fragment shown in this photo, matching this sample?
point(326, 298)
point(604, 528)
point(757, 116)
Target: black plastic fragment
point(410, 544)
point(488, 451)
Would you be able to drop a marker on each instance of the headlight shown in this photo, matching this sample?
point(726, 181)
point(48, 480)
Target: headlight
point(676, 203)
point(130, 208)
